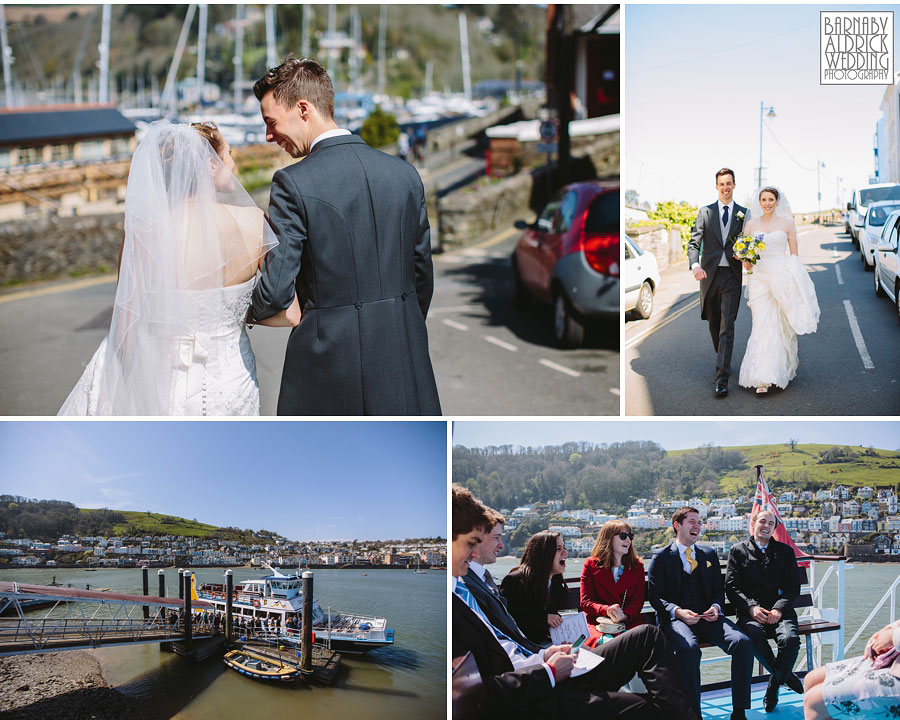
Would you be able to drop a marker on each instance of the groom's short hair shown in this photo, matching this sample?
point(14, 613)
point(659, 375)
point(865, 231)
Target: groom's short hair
point(298, 79)
point(725, 171)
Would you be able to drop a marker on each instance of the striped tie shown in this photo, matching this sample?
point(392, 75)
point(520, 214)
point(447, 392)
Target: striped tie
point(467, 598)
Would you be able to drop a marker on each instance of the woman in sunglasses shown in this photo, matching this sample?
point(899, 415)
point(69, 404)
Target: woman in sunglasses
point(612, 580)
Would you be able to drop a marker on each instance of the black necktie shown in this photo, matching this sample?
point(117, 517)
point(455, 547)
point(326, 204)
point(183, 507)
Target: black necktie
point(725, 219)
point(489, 581)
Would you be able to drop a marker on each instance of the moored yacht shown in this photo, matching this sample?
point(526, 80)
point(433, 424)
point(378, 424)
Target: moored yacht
point(277, 599)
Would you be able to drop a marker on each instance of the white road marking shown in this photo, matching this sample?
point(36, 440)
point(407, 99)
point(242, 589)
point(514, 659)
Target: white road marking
point(559, 368)
point(454, 324)
point(837, 269)
point(662, 323)
point(615, 391)
point(500, 343)
point(56, 289)
point(857, 337)
point(475, 253)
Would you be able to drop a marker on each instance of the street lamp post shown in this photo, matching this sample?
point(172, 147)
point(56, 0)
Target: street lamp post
point(771, 113)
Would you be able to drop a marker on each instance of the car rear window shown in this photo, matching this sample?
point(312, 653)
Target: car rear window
point(878, 214)
point(603, 215)
point(868, 196)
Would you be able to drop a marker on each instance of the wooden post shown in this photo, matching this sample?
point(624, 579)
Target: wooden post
point(145, 578)
point(306, 631)
point(180, 584)
point(188, 630)
point(162, 582)
point(229, 618)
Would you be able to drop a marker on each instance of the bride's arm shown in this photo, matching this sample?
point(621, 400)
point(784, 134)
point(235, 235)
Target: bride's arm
point(792, 239)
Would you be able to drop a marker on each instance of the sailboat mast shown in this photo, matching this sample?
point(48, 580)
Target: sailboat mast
point(464, 53)
point(382, 48)
point(7, 59)
point(201, 52)
point(271, 57)
point(332, 22)
point(104, 55)
point(169, 101)
point(238, 55)
point(304, 31)
point(354, 50)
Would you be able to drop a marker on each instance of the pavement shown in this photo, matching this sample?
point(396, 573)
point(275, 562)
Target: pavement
point(848, 367)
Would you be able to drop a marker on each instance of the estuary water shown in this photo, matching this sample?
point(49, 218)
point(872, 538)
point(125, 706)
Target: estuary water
point(408, 679)
point(865, 585)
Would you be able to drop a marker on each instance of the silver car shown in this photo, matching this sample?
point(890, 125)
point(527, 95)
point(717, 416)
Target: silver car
point(870, 233)
point(887, 280)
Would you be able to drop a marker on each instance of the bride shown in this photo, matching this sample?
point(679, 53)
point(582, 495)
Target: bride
point(194, 240)
point(781, 297)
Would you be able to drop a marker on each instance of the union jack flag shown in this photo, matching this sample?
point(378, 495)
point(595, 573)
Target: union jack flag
point(765, 500)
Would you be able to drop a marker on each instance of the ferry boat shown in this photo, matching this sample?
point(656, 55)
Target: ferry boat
point(279, 598)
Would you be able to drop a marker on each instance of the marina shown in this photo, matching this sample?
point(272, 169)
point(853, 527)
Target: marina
point(406, 678)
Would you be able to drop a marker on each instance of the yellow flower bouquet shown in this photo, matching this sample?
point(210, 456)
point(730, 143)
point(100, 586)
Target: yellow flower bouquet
point(750, 248)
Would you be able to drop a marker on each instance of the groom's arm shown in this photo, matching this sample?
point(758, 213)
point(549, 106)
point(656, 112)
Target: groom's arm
point(694, 245)
point(422, 252)
point(275, 290)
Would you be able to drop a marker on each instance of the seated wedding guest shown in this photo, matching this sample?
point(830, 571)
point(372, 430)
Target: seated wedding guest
point(522, 684)
point(481, 583)
point(612, 580)
point(763, 583)
point(686, 590)
point(864, 687)
point(535, 590)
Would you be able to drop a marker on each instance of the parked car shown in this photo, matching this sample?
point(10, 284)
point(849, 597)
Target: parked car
point(846, 217)
point(887, 277)
point(640, 278)
point(569, 258)
point(865, 196)
point(870, 234)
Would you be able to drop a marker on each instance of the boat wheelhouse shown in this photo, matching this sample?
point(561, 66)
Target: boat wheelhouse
point(276, 602)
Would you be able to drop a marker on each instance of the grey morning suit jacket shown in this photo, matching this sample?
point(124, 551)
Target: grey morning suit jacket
point(353, 233)
point(706, 246)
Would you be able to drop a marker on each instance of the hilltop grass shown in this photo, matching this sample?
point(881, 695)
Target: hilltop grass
point(157, 524)
point(799, 468)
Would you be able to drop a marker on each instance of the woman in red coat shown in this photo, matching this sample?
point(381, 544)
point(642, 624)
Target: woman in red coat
point(612, 580)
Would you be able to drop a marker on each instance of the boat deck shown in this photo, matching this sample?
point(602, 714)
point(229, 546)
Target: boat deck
point(716, 705)
point(325, 663)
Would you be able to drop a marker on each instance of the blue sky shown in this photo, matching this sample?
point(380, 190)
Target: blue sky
point(694, 77)
point(679, 434)
point(305, 480)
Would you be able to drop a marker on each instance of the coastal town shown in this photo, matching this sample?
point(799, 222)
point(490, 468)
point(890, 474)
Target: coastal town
point(184, 551)
point(854, 521)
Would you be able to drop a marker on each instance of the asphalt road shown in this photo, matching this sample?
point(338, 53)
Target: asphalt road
point(849, 367)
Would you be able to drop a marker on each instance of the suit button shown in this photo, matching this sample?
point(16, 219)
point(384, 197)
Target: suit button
point(358, 305)
point(403, 296)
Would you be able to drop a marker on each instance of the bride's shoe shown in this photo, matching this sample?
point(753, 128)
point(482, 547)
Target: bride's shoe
point(762, 389)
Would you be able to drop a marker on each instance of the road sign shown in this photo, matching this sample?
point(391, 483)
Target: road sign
point(549, 129)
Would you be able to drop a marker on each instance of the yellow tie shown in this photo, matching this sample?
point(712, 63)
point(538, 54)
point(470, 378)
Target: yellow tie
point(689, 552)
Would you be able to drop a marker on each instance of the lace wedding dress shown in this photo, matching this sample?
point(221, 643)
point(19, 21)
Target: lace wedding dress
point(782, 301)
point(177, 343)
point(214, 369)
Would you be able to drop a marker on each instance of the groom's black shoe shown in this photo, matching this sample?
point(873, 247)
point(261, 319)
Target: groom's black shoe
point(771, 697)
point(721, 389)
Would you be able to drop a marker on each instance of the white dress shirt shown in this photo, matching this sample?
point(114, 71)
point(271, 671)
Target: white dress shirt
point(337, 132)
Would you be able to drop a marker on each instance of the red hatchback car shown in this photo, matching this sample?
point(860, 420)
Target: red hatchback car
point(569, 258)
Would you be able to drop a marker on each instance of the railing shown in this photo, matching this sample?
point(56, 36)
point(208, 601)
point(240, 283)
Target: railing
point(892, 594)
point(819, 597)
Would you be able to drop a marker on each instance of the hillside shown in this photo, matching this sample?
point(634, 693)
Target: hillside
point(136, 523)
point(45, 41)
point(585, 475)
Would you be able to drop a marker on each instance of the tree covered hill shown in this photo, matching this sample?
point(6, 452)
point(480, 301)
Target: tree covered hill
point(588, 475)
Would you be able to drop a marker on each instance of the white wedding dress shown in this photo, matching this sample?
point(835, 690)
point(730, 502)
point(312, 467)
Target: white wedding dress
point(214, 369)
point(782, 301)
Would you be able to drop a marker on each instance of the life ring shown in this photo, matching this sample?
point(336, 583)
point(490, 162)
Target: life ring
point(256, 603)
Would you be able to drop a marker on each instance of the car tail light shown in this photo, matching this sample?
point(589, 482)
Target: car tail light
point(601, 250)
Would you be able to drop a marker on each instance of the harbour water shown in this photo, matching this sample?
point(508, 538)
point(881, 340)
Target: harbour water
point(865, 584)
point(405, 680)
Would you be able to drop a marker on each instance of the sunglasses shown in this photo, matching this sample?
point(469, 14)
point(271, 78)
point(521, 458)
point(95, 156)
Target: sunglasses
point(626, 536)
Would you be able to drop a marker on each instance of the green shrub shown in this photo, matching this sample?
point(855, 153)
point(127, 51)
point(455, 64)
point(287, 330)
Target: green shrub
point(380, 129)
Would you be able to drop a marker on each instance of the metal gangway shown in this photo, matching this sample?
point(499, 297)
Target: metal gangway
point(73, 619)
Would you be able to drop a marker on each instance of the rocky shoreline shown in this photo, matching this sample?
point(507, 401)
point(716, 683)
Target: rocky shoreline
point(63, 686)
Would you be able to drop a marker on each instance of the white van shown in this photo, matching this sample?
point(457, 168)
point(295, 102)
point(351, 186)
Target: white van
point(862, 198)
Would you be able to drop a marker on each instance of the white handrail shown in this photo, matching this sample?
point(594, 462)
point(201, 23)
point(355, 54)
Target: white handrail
point(892, 592)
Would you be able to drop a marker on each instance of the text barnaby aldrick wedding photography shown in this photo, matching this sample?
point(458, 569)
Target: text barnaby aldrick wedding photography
point(856, 48)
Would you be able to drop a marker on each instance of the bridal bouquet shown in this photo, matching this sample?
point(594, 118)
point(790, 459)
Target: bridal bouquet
point(750, 248)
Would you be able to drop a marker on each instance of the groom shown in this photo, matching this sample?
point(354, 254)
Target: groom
point(711, 255)
point(354, 242)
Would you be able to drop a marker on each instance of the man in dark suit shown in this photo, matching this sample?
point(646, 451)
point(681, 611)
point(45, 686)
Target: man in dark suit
point(481, 583)
point(522, 683)
point(763, 582)
point(712, 261)
point(354, 243)
point(685, 587)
